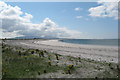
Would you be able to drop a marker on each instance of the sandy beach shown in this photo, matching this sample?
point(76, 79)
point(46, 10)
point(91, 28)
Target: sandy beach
point(94, 52)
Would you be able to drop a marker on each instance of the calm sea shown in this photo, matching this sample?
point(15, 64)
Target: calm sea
point(105, 42)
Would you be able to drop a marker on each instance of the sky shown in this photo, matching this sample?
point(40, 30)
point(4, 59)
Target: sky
point(79, 20)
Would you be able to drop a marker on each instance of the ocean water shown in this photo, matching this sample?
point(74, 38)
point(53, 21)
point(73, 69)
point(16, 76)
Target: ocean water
point(105, 42)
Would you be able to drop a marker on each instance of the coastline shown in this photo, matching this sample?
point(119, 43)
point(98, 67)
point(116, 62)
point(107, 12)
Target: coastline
point(58, 42)
point(93, 52)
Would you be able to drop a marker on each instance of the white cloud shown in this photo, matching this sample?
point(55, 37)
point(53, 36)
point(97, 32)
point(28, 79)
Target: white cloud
point(106, 9)
point(16, 23)
point(2, 5)
point(78, 17)
point(6, 34)
point(28, 17)
point(100, 1)
point(78, 9)
point(10, 12)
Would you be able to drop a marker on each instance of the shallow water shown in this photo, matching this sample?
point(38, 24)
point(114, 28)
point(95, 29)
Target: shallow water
point(105, 42)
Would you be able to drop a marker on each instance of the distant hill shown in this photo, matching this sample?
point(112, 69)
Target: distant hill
point(30, 37)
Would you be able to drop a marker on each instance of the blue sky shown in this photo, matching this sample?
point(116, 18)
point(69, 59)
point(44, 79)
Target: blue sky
point(64, 15)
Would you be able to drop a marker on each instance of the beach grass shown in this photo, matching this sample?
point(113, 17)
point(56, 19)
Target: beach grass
point(18, 62)
point(17, 66)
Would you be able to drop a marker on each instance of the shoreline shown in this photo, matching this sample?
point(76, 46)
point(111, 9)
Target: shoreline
point(106, 46)
point(91, 44)
point(93, 52)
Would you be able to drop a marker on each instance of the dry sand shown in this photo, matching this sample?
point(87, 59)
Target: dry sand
point(94, 52)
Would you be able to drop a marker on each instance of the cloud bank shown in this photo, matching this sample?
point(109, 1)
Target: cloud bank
point(15, 23)
point(105, 9)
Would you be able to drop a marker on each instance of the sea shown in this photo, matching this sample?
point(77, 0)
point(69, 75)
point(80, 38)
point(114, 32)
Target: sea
point(103, 42)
